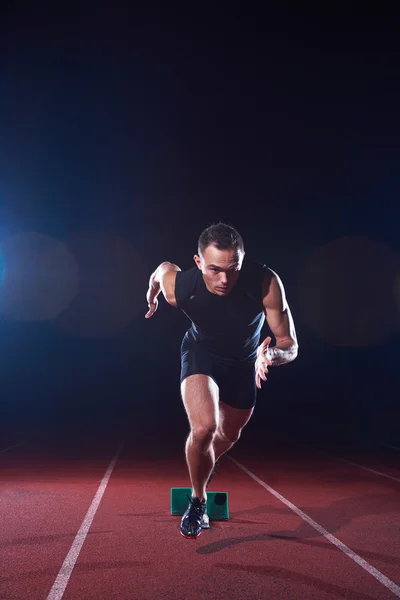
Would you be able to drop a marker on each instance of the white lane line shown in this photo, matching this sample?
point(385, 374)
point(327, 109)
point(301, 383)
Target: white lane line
point(11, 447)
point(392, 447)
point(361, 466)
point(58, 589)
point(393, 587)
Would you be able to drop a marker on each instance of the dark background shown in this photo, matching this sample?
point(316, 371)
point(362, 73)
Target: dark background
point(124, 133)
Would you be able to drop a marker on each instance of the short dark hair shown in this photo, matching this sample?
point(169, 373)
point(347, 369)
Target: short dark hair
point(222, 236)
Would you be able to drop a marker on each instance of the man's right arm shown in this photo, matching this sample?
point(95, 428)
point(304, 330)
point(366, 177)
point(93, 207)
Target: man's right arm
point(162, 280)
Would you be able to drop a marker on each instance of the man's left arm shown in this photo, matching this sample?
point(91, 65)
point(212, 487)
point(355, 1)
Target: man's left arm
point(280, 321)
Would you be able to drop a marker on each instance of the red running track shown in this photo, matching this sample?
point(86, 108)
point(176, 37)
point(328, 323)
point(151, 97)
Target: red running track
point(267, 550)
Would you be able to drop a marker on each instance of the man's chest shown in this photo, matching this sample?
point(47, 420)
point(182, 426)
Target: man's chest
point(221, 314)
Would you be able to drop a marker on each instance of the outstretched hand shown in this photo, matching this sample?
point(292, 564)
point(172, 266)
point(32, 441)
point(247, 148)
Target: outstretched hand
point(152, 302)
point(262, 362)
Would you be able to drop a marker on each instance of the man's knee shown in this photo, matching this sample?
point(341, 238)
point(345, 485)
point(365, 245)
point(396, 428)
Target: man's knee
point(204, 433)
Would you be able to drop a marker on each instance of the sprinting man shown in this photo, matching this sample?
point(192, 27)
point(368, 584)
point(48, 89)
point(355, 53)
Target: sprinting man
point(227, 297)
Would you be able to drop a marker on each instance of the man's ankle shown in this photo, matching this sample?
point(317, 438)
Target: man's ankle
point(199, 497)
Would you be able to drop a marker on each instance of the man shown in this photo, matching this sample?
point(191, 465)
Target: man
point(227, 297)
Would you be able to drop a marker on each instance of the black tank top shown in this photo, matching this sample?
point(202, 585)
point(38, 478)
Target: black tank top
point(228, 326)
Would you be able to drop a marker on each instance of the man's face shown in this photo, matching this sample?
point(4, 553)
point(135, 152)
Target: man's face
point(220, 269)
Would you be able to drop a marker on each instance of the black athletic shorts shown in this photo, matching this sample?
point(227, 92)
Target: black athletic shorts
point(235, 380)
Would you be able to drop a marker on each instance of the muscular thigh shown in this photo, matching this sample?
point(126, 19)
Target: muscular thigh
point(200, 398)
point(237, 386)
point(207, 380)
point(232, 420)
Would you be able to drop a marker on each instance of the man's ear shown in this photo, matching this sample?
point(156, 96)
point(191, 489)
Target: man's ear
point(197, 260)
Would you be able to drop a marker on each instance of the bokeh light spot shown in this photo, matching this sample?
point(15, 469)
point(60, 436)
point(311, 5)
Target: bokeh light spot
point(397, 290)
point(2, 267)
point(40, 277)
point(112, 286)
point(347, 292)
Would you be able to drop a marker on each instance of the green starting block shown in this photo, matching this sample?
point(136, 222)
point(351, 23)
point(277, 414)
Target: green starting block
point(217, 503)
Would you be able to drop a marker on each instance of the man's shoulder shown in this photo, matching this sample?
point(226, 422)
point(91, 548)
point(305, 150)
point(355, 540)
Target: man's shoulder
point(254, 267)
point(185, 284)
point(188, 274)
point(254, 274)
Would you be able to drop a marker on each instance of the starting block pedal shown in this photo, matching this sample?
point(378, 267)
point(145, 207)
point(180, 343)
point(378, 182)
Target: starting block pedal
point(217, 503)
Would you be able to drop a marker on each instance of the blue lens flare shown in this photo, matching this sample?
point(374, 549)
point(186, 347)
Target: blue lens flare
point(2, 267)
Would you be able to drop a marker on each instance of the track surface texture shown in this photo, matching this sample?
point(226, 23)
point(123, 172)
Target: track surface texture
point(82, 521)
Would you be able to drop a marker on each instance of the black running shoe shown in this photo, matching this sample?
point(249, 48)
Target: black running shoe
point(192, 520)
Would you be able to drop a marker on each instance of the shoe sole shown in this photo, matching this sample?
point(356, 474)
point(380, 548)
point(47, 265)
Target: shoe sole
point(190, 537)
